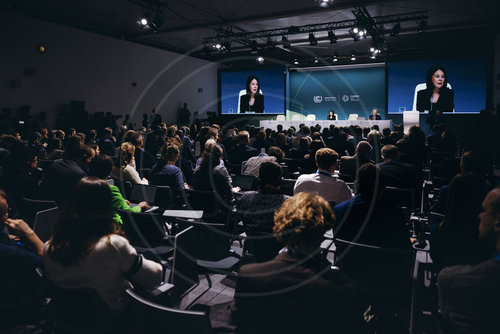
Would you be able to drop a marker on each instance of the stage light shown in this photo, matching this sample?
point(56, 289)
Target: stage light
point(332, 37)
point(357, 33)
point(295, 61)
point(144, 21)
point(335, 58)
point(325, 3)
point(422, 26)
point(396, 29)
point(353, 56)
point(312, 39)
point(373, 56)
point(260, 59)
point(217, 46)
point(316, 60)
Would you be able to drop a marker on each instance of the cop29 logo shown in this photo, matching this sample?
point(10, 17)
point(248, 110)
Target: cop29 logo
point(317, 99)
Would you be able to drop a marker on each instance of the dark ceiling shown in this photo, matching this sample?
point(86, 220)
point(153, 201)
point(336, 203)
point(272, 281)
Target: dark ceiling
point(189, 27)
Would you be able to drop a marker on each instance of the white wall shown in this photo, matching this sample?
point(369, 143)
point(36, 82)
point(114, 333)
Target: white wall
point(79, 65)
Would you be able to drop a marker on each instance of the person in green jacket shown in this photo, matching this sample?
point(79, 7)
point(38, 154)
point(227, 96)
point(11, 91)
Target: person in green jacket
point(100, 167)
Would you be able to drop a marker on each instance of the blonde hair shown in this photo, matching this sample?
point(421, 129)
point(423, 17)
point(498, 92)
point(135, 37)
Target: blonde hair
point(302, 220)
point(127, 151)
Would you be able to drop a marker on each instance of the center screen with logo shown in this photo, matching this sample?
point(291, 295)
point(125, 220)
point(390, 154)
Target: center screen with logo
point(345, 91)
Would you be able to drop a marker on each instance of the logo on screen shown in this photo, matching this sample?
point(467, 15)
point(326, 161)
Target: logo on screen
point(318, 99)
point(345, 98)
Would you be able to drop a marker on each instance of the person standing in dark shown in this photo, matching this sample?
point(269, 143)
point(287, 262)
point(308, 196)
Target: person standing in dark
point(145, 121)
point(184, 116)
point(155, 119)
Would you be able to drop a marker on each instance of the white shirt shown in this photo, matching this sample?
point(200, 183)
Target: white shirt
point(325, 185)
point(103, 270)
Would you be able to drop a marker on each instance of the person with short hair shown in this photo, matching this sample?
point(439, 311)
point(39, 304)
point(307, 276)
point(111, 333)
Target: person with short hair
point(375, 116)
point(469, 295)
point(242, 152)
point(399, 174)
point(106, 143)
point(297, 291)
point(166, 173)
point(322, 182)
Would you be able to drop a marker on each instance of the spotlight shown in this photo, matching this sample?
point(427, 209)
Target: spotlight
point(353, 56)
point(325, 3)
point(143, 21)
point(295, 61)
point(316, 60)
point(373, 56)
point(357, 33)
point(286, 42)
point(332, 37)
point(335, 58)
point(422, 26)
point(396, 29)
point(253, 45)
point(260, 59)
point(312, 39)
point(374, 49)
point(217, 46)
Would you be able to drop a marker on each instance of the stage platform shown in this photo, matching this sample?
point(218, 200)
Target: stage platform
point(362, 123)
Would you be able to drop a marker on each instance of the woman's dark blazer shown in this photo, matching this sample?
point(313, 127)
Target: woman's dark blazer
point(445, 102)
point(258, 105)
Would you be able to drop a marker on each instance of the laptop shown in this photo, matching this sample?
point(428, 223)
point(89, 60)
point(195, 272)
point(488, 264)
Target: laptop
point(143, 193)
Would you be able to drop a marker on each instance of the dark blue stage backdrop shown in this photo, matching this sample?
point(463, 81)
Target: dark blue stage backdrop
point(347, 91)
point(467, 78)
point(272, 85)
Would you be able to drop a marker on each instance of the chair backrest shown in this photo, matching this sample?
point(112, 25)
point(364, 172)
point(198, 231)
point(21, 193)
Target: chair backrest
point(207, 201)
point(154, 318)
point(353, 117)
point(420, 87)
point(245, 182)
point(311, 117)
point(111, 182)
point(164, 197)
point(184, 273)
point(280, 117)
point(124, 186)
point(296, 117)
point(410, 118)
point(44, 221)
point(262, 246)
point(142, 193)
point(405, 197)
point(143, 229)
point(32, 206)
point(287, 186)
point(337, 117)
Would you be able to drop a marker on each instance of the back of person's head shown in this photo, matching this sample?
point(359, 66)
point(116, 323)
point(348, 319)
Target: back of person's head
point(305, 130)
point(261, 135)
point(211, 157)
point(371, 182)
point(86, 218)
point(403, 147)
point(243, 137)
point(373, 137)
point(358, 131)
point(474, 162)
point(72, 149)
point(171, 152)
point(125, 154)
point(326, 158)
point(302, 220)
point(386, 132)
point(390, 152)
point(275, 151)
point(363, 149)
point(54, 144)
point(107, 132)
point(303, 143)
point(463, 203)
point(101, 166)
point(316, 145)
point(269, 174)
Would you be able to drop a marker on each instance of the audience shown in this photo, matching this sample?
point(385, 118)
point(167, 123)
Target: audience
point(242, 152)
point(297, 291)
point(322, 182)
point(87, 250)
point(166, 173)
point(469, 294)
point(349, 165)
point(252, 165)
point(397, 173)
point(124, 168)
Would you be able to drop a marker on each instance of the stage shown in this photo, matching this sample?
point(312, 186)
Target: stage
point(362, 123)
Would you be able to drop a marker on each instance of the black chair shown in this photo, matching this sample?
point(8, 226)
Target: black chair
point(145, 173)
point(245, 182)
point(287, 186)
point(405, 197)
point(32, 206)
point(164, 197)
point(207, 201)
point(147, 233)
point(44, 221)
point(124, 186)
point(293, 164)
point(153, 318)
point(260, 246)
point(235, 168)
point(45, 164)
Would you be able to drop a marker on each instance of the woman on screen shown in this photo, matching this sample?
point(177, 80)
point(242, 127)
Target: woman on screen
point(437, 98)
point(331, 116)
point(253, 100)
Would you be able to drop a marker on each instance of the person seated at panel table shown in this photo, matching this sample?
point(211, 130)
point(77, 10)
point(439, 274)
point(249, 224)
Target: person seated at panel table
point(331, 116)
point(253, 100)
point(375, 115)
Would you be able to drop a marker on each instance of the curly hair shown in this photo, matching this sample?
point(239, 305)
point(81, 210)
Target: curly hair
point(302, 220)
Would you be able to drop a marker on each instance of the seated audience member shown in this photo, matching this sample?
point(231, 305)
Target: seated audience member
point(54, 149)
point(125, 165)
point(100, 167)
point(399, 174)
point(23, 178)
point(64, 173)
point(469, 295)
point(302, 150)
point(106, 143)
point(208, 145)
point(143, 159)
point(308, 163)
point(460, 224)
point(297, 291)
point(282, 143)
point(349, 165)
point(260, 143)
point(87, 251)
point(166, 173)
point(256, 208)
point(373, 138)
point(252, 165)
point(304, 132)
point(472, 163)
point(322, 182)
point(242, 152)
point(357, 137)
point(370, 219)
point(211, 176)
